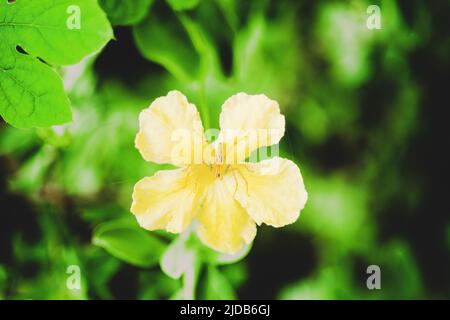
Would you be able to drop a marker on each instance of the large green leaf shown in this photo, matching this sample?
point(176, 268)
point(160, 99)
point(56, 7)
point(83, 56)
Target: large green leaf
point(31, 93)
point(128, 242)
point(128, 12)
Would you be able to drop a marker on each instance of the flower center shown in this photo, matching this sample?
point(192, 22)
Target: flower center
point(219, 168)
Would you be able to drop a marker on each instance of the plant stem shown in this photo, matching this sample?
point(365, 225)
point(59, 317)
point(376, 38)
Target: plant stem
point(204, 106)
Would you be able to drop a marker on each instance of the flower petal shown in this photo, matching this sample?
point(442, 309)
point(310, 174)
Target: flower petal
point(166, 200)
point(171, 131)
point(224, 225)
point(272, 191)
point(248, 122)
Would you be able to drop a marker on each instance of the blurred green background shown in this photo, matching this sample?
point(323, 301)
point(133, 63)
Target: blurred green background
point(363, 124)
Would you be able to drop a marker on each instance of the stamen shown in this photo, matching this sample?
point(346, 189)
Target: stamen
point(219, 154)
point(219, 157)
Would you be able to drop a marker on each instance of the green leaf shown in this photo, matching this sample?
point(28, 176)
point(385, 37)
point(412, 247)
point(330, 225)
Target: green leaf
point(179, 5)
point(229, 10)
point(31, 93)
point(165, 42)
point(247, 45)
point(209, 59)
point(102, 267)
point(218, 286)
point(32, 173)
point(41, 28)
point(125, 13)
point(16, 141)
point(128, 242)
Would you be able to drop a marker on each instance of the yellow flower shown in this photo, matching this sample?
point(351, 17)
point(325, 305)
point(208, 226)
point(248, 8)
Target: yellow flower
point(213, 184)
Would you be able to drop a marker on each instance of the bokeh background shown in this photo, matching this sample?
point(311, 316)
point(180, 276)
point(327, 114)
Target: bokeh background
point(364, 123)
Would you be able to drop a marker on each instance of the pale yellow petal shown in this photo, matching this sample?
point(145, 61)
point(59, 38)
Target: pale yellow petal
point(224, 225)
point(166, 200)
point(170, 131)
point(272, 191)
point(248, 122)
